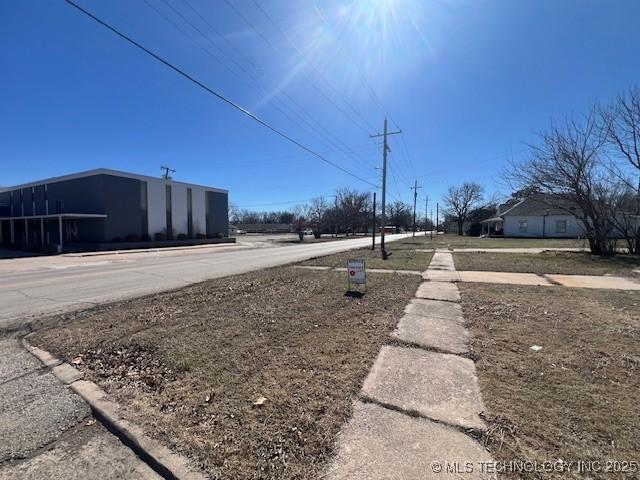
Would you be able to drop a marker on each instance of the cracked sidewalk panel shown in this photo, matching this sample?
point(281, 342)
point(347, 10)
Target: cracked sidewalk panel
point(435, 333)
point(381, 444)
point(435, 308)
point(438, 291)
point(437, 386)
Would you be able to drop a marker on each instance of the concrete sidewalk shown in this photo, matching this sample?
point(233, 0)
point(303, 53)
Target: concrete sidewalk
point(418, 414)
point(47, 431)
point(604, 282)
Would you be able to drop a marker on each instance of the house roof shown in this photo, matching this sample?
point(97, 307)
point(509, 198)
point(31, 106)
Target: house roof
point(540, 204)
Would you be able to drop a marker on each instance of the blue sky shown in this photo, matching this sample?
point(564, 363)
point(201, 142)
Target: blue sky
point(467, 81)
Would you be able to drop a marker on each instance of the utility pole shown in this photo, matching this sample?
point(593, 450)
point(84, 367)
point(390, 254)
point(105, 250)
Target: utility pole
point(437, 216)
point(385, 149)
point(415, 198)
point(166, 171)
point(373, 233)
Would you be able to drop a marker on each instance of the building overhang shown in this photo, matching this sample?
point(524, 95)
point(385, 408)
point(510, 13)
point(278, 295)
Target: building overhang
point(62, 216)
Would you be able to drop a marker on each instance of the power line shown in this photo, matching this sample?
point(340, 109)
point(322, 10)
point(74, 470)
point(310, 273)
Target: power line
point(285, 203)
point(216, 94)
point(325, 134)
point(317, 70)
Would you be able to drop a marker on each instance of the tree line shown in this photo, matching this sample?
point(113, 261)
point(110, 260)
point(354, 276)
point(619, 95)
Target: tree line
point(347, 212)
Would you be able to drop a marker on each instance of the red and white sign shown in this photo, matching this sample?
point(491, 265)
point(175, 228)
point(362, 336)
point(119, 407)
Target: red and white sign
point(356, 272)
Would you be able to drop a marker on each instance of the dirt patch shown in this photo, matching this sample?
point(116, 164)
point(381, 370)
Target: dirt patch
point(251, 376)
point(576, 398)
point(548, 262)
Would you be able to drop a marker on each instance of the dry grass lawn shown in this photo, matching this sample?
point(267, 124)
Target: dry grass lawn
point(402, 256)
point(250, 376)
point(455, 241)
point(577, 398)
point(548, 262)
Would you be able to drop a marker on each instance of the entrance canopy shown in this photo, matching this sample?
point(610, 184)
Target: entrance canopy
point(55, 216)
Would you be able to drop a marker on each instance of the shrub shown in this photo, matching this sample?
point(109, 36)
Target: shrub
point(200, 236)
point(182, 236)
point(160, 236)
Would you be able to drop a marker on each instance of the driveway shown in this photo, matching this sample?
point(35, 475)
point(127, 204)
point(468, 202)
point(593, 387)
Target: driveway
point(33, 287)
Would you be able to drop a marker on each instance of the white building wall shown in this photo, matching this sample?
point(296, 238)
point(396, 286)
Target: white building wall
point(198, 210)
point(179, 216)
point(535, 226)
point(156, 207)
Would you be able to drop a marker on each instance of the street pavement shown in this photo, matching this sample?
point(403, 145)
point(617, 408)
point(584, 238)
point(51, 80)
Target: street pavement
point(34, 287)
point(46, 430)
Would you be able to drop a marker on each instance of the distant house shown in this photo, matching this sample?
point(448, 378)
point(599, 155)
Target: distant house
point(536, 216)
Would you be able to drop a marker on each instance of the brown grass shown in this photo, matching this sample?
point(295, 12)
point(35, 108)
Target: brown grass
point(455, 241)
point(190, 365)
point(576, 399)
point(548, 262)
point(402, 256)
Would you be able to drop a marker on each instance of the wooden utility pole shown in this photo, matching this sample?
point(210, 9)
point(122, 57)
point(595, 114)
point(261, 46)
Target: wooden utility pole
point(373, 246)
point(415, 199)
point(437, 216)
point(166, 171)
point(385, 150)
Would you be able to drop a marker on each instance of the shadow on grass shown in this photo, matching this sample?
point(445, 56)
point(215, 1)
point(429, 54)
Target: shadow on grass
point(352, 294)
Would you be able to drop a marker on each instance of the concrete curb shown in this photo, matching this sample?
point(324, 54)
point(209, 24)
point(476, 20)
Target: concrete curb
point(165, 462)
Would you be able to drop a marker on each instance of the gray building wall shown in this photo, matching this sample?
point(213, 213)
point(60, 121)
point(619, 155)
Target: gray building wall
point(217, 214)
point(123, 199)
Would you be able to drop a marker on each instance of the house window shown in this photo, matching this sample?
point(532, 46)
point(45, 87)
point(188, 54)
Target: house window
point(522, 226)
point(561, 226)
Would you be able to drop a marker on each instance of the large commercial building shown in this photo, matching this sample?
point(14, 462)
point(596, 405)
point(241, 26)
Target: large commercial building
point(102, 206)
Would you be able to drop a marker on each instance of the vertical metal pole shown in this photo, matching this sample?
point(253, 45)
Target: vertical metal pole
point(26, 232)
point(437, 216)
point(60, 244)
point(12, 232)
point(373, 246)
point(42, 231)
point(426, 212)
point(415, 199)
point(384, 190)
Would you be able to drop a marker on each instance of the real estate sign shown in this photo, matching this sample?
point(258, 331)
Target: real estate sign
point(356, 272)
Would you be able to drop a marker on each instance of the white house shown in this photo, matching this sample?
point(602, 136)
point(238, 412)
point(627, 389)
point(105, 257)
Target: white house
point(535, 217)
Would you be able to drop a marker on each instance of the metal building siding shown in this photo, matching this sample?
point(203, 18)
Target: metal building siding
point(217, 214)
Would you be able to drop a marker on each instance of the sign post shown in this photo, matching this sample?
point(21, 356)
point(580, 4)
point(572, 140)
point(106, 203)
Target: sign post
point(356, 273)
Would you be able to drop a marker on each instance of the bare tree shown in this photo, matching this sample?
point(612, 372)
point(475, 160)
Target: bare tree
point(459, 201)
point(400, 215)
point(621, 123)
point(567, 164)
point(317, 211)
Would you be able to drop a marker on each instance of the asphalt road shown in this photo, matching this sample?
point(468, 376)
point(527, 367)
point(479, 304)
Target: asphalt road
point(34, 287)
